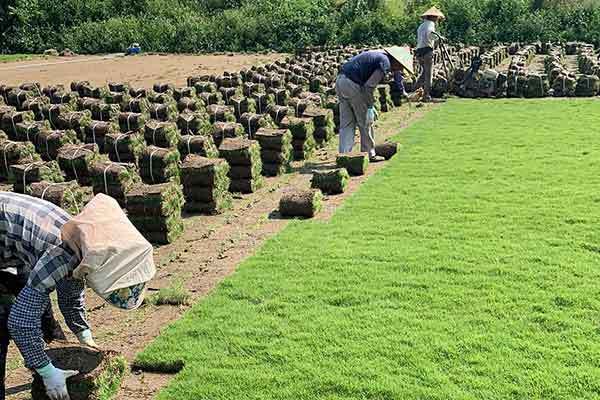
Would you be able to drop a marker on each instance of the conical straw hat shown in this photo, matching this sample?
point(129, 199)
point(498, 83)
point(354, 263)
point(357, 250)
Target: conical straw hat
point(433, 12)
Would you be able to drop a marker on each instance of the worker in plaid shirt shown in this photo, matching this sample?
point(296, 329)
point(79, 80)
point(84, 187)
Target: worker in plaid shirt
point(32, 252)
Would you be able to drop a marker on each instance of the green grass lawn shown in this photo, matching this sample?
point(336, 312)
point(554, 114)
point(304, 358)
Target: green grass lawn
point(468, 268)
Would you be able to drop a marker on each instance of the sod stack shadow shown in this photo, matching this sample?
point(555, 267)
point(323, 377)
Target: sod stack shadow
point(331, 181)
point(355, 163)
point(303, 141)
point(12, 153)
point(68, 195)
point(100, 372)
point(324, 125)
point(155, 210)
point(243, 157)
point(159, 165)
point(114, 179)
point(22, 175)
point(301, 203)
point(76, 160)
point(205, 184)
point(276, 150)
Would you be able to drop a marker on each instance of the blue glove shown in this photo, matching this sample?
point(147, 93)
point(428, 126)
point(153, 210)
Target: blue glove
point(370, 116)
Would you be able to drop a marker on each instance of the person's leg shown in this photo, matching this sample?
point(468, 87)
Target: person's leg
point(347, 117)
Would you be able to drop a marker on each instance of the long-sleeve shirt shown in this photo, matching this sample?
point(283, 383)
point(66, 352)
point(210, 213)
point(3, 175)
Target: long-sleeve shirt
point(368, 70)
point(31, 247)
point(426, 35)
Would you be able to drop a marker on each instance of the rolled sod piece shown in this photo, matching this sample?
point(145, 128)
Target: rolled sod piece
point(189, 104)
point(12, 153)
point(114, 179)
point(76, 160)
point(301, 203)
point(96, 133)
point(48, 143)
point(331, 181)
point(28, 132)
point(105, 112)
point(198, 171)
point(273, 139)
point(218, 113)
point(301, 128)
point(68, 196)
point(210, 98)
point(240, 151)
point(139, 105)
point(10, 120)
point(22, 175)
point(124, 147)
point(386, 150)
point(161, 134)
point(245, 185)
point(184, 91)
point(355, 163)
point(191, 123)
point(253, 122)
point(159, 165)
point(129, 121)
point(162, 200)
point(223, 130)
point(242, 105)
point(200, 145)
point(101, 372)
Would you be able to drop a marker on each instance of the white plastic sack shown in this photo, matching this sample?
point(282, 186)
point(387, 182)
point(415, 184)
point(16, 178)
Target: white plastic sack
point(114, 255)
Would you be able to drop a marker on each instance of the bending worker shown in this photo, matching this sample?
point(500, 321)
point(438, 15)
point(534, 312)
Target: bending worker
point(43, 246)
point(355, 87)
point(426, 37)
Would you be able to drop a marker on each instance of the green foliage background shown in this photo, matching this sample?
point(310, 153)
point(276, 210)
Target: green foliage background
point(92, 26)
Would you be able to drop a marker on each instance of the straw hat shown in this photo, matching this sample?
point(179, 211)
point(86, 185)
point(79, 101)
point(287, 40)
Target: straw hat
point(433, 12)
point(403, 55)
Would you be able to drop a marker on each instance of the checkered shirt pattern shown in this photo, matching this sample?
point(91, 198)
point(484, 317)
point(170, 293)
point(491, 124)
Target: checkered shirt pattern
point(30, 234)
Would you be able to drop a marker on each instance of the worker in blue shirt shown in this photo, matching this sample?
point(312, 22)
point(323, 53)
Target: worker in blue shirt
point(355, 87)
point(39, 255)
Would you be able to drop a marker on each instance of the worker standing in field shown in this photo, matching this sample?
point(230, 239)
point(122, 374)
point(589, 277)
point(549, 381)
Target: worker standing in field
point(43, 249)
point(426, 37)
point(355, 87)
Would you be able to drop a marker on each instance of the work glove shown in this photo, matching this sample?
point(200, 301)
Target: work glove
point(86, 339)
point(371, 115)
point(55, 381)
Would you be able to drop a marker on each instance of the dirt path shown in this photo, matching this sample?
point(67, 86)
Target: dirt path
point(209, 251)
point(143, 70)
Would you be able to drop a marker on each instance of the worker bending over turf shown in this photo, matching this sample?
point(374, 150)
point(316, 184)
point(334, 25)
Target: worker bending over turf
point(43, 249)
point(426, 37)
point(355, 87)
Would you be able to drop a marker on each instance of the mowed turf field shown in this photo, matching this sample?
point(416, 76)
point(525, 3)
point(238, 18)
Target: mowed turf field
point(467, 268)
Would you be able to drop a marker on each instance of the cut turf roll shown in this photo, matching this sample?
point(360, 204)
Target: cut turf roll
point(301, 203)
point(12, 153)
point(331, 181)
point(129, 121)
point(68, 195)
point(48, 143)
point(155, 210)
point(386, 150)
point(100, 372)
point(159, 165)
point(191, 123)
point(223, 130)
point(205, 184)
point(96, 133)
point(124, 147)
point(161, 134)
point(355, 163)
point(22, 175)
point(200, 145)
point(76, 160)
point(114, 179)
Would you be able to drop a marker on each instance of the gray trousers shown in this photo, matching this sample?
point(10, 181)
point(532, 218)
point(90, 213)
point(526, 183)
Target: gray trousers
point(426, 78)
point(353, 113)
